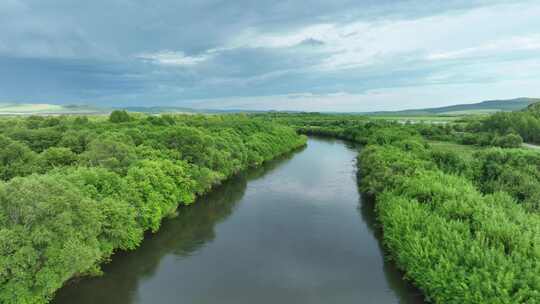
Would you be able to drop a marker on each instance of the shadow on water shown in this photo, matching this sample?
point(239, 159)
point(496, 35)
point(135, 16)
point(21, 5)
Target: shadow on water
point(404, 290)
point(295, 237)
point(180, 236)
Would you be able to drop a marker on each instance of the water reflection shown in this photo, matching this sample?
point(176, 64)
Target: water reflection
point(405, 291)
point(295, 230)
point(192, 229)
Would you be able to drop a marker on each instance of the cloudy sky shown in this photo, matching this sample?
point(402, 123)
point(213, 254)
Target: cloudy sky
point(320, 55)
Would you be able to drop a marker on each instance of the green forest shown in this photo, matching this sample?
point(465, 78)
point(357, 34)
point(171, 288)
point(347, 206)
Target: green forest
point(458, 202)
point(75, 189)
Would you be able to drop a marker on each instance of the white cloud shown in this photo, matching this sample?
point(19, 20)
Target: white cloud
point(174, 58)
point(525, 43)
point(361, 61)
point(490, 30)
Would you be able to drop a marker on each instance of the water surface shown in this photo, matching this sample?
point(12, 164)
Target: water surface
point(293, 231)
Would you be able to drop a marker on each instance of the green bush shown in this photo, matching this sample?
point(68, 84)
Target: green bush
point(508, 141)
point(16, 159)
point(103, 183)
point(455, 243)
point(49, 234)
point(118, 116)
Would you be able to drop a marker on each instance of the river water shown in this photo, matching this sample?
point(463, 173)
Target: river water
point(295, 230)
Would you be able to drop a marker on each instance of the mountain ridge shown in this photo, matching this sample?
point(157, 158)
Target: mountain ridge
point(483, 107)
point(486, 106)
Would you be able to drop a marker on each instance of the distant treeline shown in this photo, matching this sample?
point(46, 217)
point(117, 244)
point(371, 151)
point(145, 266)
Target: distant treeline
point(76, 189)
point(526, 123)
point(462, 223)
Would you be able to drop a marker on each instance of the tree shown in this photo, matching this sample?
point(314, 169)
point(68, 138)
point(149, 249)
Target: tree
point(191, 142)
point(76, 141)
point(103, 184)
point(110, 150)
point(56, 157)
point(118, 116)
point(156, 189)
point(16, 159)
point(508, 141)
point(119, 222)
point(49, 234)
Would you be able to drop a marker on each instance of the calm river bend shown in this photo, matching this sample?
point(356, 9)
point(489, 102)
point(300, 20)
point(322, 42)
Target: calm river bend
point(295, 230)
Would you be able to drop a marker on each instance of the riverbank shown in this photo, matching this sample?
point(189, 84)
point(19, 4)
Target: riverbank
point(293, 230)
point(456, 221)
point(78, 189)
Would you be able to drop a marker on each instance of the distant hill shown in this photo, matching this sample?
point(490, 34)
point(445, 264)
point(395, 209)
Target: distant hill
point(173, 109)
point(48, 109)
point(160, 109)
point(535, 107)
point(488, 106)
point(52, 109)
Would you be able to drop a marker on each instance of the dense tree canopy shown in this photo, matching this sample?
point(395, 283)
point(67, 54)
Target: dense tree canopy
point(461, 218)
point(75, 189)
point(462, 222)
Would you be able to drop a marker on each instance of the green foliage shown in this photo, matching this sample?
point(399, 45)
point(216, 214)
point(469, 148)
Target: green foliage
point(156, 189)
point(525, 123)
point(118, 116)
point(76, 141)
point(455, 159)
point(387, 162)
point(477, 138)
point(56, 157)
point(37, 139)
point(462, 222)
point(114, 151)
point(516, 172)
point(104, 182)
point(120, 229)
point(508, 141)
point(457, 244)
point(16, 159)
point(192, 143)
point(48, 235)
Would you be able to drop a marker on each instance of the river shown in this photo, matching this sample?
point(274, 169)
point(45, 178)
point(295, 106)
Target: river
point(295, 230)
